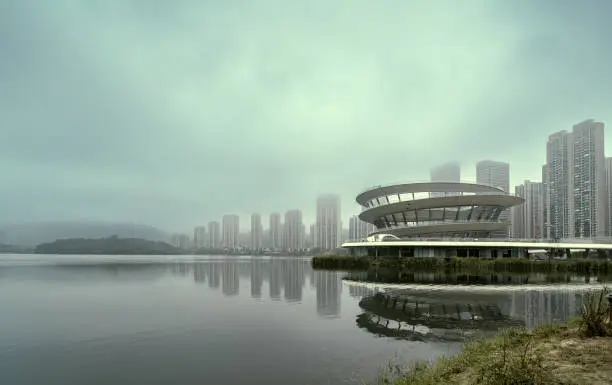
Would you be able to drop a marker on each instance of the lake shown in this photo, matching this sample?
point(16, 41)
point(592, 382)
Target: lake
point(240, 320)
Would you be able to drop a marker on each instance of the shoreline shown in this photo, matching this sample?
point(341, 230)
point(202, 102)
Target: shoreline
point(557, 354)
point(577, 352)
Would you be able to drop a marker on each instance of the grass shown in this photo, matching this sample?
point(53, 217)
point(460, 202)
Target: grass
point(577, 353)
point(473, 265)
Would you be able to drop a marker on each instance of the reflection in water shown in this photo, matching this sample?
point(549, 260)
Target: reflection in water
point(101, 315)
point(393, 276)
point(286, 280)
point(256, 278)
point(329, 288)
point(231, 282)
point(443, 314)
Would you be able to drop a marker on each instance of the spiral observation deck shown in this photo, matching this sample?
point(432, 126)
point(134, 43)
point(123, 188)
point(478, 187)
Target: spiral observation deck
point(436, 209)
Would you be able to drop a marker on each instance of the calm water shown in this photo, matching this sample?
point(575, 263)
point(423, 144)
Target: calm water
point(215, 320)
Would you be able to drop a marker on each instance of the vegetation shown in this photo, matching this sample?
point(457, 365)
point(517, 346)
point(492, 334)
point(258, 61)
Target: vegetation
point(111, 245)
point(577, 353)
point(474, 265)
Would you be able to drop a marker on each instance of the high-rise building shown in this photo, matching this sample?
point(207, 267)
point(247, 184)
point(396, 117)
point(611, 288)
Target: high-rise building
point(544, 220)
point(312, 235)
point(199, 237)
point(448, 172)
point(276, 240)
point(576, 182)
point(492, 173)
point(328, 222)
point(293, 231)
point(527, 218)
point(559, 185)
point(496, 174)
point(256, 232)
point(214, 235)
point(609, 196)
point(181, 241)
point(590, 198)
point(359, 229)
point(231, 228)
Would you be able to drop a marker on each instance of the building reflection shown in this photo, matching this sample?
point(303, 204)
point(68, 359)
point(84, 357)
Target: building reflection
point(293, 280)
point(537, 307)
point(213, 275)
point(275, 285)
point(230, 279)
point(328, 288)
point(199, 273)
point(256, 278)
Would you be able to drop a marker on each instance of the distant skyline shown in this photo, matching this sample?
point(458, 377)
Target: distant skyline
point(175, 114)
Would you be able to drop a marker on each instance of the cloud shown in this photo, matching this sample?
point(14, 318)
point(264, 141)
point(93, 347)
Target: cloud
point(175, 114)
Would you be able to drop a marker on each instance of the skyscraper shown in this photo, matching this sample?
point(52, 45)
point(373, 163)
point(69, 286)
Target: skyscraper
point(256, 231)
point(544, 220)
point(559, 185)
point(328, 222)
point(359, 229)
point(275, 231)
point(231, 227)
point(609, 196)
point(527, 218)
point(294, 231)
point(590, 198)
point(576, 182)
point(312, 235)
point(214, 236)
point(448, 172)
point(199, 237)
point(492, 173)
point(496, 174)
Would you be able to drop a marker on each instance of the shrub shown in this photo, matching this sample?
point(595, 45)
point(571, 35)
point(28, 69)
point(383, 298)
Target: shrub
point(595, 314)
point(515, 365)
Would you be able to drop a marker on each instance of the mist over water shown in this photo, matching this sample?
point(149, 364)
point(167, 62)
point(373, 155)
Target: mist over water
point(230, 320)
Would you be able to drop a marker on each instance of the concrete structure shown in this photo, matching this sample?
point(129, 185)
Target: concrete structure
point(408, 210)
point(200, 239)
point(181, 241)
point(527, 218)
point(256, 232)
point(609, 196)
point(328, 222)
point(545, 228)
point(576, 182)
point(590, 198)
point(559, 185)
point(214, 235)
point(448, 172)
point(465, 247)
point(359, 229)
point(312, 235)
point(276, 237)
point(231, 228)
point(496, 174)
point(294, 231)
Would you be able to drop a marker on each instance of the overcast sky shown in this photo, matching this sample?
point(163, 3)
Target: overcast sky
point(173, 113)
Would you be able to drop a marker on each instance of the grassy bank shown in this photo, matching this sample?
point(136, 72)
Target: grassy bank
point(474, 265)
point(578, 353)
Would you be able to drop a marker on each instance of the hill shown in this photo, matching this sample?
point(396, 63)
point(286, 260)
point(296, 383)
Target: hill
point(32, 234)
point(111, 245)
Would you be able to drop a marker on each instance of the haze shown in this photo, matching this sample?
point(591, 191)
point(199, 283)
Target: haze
point(175, 113)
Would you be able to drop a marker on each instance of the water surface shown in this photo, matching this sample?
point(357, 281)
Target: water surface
point(225, 320)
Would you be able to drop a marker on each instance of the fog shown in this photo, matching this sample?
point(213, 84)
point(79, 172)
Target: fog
point(175, 113)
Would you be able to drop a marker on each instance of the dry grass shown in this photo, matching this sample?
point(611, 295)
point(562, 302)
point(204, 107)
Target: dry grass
point(548, 356)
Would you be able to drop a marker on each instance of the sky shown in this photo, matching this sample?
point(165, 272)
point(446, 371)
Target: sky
point(175, 113)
